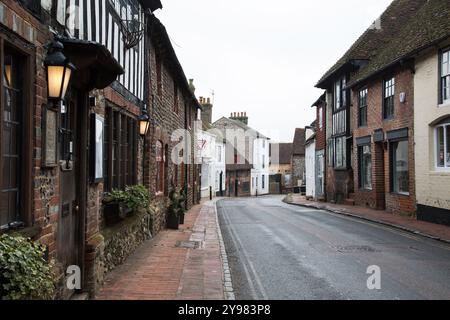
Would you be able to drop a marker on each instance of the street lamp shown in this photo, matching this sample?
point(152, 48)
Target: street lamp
point(59, 72)
point(144, 123)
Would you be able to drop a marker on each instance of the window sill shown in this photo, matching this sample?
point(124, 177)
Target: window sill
point(401, 194)
point(438, 172)
point(444, 104)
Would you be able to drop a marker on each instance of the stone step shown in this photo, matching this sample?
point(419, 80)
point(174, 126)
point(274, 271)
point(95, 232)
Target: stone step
point(349, 202)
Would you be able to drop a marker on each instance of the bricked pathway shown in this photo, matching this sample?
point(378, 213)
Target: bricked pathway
point(436, 231)
point(162, 270)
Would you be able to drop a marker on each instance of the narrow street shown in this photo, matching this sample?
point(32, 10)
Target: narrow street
point(280, 251)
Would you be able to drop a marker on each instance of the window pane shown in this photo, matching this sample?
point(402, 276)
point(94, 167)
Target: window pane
point(448, 146)
point(440, 147)
point(401, 174)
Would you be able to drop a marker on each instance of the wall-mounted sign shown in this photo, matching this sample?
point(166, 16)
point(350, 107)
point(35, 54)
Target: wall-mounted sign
point(50, 137)
point(96, 146)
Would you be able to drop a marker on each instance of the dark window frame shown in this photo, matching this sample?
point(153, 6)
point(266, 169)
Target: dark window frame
point(341, 97)
point(120, 149)
point(392, 166)
point(28, 56)
point(389, 86)
point(361, 178)
point(344, 153)
point(363, 107)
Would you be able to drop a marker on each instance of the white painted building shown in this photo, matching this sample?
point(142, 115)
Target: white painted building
point(261, 167)
point(220, 168)
point(310, 163)
point(212, 153)
point(207, 151)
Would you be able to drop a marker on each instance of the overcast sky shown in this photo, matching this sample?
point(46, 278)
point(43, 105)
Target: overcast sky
point(264, 57)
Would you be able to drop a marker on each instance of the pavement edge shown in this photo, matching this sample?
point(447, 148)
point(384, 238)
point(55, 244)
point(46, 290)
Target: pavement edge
point(344, 213)
point(227, 280)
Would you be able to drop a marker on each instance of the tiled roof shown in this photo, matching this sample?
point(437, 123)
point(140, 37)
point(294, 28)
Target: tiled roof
point(373, 39)
point(298, 148)
point(429, 25)
point(241, 125)
point(285, 152)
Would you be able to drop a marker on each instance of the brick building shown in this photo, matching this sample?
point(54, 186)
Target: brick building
point(340, 185)
point(298, 158)
point(404, 90)
point(71, 151)
point(174, 107)
point(280, 167)
point(321, 144)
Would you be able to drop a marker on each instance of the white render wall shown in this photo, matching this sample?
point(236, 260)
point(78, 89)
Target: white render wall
point(432, 185)
point(261, 167)
point(310, 166)
point(220, 167)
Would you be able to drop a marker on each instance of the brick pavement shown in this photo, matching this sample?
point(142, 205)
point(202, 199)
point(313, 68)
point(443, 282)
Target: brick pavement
point(162, 270)
point(431, 230)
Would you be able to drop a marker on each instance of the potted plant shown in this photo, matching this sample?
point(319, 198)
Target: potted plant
point(173, 214)
point(114, 207)
point(182, 205)
point(138, 197)
point(119, 204)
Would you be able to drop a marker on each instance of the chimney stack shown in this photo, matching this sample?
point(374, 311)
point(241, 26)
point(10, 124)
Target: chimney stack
point(240, 116)
point(207, 110)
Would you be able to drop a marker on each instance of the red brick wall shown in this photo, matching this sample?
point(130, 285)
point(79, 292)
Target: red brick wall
point(381, 197)
point(166, 121)
point(321, 133)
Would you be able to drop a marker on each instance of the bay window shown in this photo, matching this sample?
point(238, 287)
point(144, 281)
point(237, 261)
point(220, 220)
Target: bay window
point(443, 147)
point(445, 76)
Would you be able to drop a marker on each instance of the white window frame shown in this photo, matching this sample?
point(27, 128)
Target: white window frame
point(446, 52)
point(446, 166)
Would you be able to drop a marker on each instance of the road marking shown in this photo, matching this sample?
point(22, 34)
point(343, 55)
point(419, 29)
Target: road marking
point(238, 243)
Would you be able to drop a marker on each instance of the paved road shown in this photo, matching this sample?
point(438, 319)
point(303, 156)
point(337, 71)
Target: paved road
point(280, 251)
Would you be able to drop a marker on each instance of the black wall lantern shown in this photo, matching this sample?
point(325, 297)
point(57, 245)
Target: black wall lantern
point(59, 72)
point(144, 123)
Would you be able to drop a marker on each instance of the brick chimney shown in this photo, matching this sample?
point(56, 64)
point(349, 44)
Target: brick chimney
point(207, 110)
point(240, 116)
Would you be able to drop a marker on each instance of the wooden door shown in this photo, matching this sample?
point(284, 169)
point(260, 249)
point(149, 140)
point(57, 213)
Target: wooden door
point(68, 227)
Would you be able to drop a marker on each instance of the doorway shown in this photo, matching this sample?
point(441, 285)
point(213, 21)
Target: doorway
point(69, 167)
